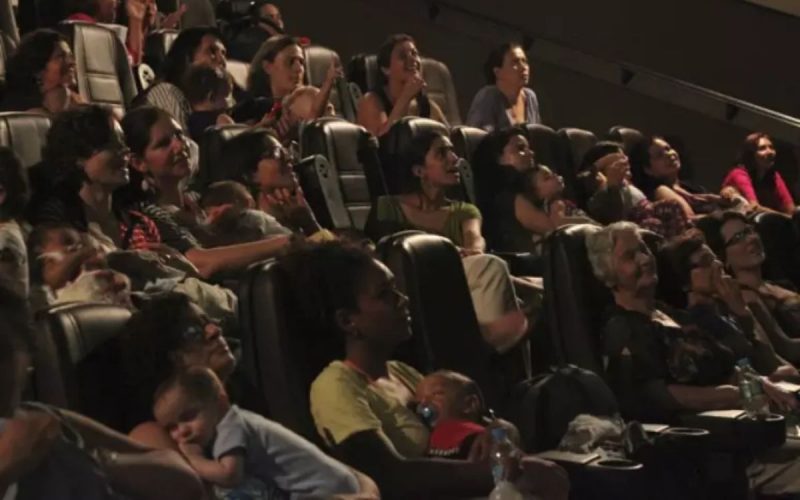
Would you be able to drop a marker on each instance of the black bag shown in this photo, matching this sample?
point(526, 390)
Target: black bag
point(545, 404)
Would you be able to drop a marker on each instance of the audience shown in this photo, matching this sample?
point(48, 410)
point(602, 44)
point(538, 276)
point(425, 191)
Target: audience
point(506, 100)
point(360, 404)
point(756, 178)
point(401, 88)
point(40, 75)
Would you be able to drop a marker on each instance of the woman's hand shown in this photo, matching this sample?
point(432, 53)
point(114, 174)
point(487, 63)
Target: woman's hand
point(543, 478)
point(291, 209)
point(784, 400)
point(412, 88)
point(729, 291)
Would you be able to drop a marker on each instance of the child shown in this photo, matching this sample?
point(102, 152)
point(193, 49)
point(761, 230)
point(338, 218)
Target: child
point(233, 448)
point(232, 217)
point(455, 410)
point(207, 90)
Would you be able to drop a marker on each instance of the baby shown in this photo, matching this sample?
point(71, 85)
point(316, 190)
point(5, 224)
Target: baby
point(452, 404)
point(545, 189)
point(232, 217)
point(238, 450)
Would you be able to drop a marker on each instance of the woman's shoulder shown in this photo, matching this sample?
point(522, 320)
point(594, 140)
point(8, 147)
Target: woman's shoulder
point(466, 210)
point(335, 374)
point(407, 373)
point(487, 92)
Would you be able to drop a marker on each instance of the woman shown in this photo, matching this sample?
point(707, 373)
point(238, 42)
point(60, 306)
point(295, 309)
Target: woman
point(756, 178)
point(400, 91)
point(431, 169)
point(52, 453)
point(605, 176)
point(506, 100)
point(153, 350)
point(359, 404)
point(200, 45)
point(504, 160)
point(693, 278)
point(87, 157)
point(658, 369)
point(41, 74)
point(733, 238)
point(655, 166)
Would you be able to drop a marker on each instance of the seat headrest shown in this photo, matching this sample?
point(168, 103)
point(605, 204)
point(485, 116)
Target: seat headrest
point(466, 141)
point(628, 137)
point(546, 146)
point(441, 89)
point(25, 134)
point(577, 142)
point(394, 146)
point(156, 46)
point(213, 152)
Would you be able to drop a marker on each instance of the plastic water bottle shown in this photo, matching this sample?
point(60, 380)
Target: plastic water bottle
point(503, 458)
point(428, 414)
point(754, 400)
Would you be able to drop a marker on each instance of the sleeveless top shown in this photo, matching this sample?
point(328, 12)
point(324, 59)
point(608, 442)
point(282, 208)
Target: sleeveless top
point(423, 102)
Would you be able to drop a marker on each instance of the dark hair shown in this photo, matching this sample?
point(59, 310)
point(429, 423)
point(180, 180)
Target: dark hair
point(200, 385)
point(711, 225)
point(23, 80)
point(75, 135)
point(675, 266)
point(639, 158)
point(747, 157)
point(14, 180)
point(385, 53)
point(89, 7)
point(246, 150)
point(223, 192)
point(323, 279)
point(491, 177)
point(204, 82)
point(587, 184)
point(599, 150)
point(258, 82)
point(181, 53)
point(136, 124)
point(495, 60)
point(414, 155)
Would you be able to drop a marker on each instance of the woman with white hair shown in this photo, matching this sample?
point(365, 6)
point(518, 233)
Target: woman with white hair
point(658, 368)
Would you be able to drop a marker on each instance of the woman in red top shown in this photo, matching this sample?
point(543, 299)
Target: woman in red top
point(756, 178)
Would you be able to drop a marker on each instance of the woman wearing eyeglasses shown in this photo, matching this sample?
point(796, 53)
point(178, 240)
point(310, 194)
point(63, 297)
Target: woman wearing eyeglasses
point(777, 308)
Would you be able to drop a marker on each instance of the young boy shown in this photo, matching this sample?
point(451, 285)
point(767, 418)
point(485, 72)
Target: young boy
point(231, 447)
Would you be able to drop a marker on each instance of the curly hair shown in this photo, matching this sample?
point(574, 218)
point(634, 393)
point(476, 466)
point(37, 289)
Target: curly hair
point(76, 135)
point(181, 53)
point(14, 181)
point(257, 79)
point(23, 81)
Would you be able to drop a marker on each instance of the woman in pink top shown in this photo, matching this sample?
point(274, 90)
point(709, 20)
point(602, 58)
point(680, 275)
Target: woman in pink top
point(756, 178)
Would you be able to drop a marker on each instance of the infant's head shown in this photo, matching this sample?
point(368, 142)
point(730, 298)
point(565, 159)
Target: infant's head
point(543, 184)
point(227, 193)
point(455, 396)
point(190, 404)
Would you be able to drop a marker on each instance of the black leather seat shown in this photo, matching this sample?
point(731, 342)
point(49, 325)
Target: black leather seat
point(103, 73)
point(276, 348)
point(548, 147)
point(628, 137)
point(318, 60)
point(213, 152)
point(575, 143)
point(25, 134)
point(781, 245)
point(395, 143)
point(156, 46)
point(347, 184)
point(364, 72)
point(465, 141)
point(77, 360)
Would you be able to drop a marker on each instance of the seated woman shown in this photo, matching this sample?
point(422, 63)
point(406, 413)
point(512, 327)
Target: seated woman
point(200, 45)
point(40, 75)
point(276, 73)
point(154, 350)
point(401, 88)
point(87, 160)
point(505, 100)
point(503, 160)
point(756, 178)
point(693, 278)
point(605, 175)
point(54, 453)
point(431, 169)
point(777, 308)
point(655, 166)
point(360, 404)
point(658, 369)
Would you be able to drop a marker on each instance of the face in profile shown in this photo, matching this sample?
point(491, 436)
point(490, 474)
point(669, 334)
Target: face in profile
point(633, 264)
point(287, 71)
point(743, 247)
point(517, 153)
point(441, 164)
point(664, 160)
point(405, 62)
point(187, 421)
point(765, 154)
point(515, 70)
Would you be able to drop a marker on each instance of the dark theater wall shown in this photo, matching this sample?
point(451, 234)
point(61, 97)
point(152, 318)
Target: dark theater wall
point(707, 42)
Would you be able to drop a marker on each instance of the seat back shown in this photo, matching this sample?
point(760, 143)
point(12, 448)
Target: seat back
point(213, 148)
point(101, 61)
point(465, 141)
point(347, 184)
point(77, 360)
point(628, 137)
point(25, 134)
point(156, 46)
point(275, 348)
point(547, 146)
point(575, 143)
point(394, 146)
point(446, 334)
point(238, 71)
point(318, 60)
point(364, 72)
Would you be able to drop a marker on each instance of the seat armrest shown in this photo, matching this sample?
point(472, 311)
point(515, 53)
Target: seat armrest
point(732, 430)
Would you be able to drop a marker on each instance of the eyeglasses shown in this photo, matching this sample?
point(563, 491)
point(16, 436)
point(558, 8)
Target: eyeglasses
point(739, 236)
point(197, 332)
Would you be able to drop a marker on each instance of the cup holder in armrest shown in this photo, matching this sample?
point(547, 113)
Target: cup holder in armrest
point(621, 464)
point(733, 430)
